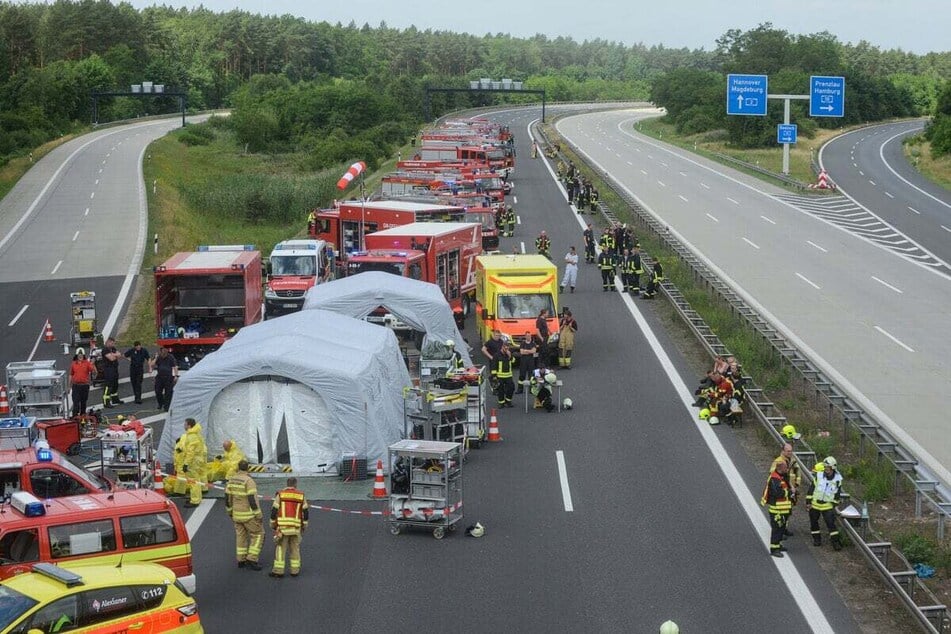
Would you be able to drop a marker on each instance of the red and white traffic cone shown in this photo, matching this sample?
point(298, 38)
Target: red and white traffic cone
point(379, 484)
point(4, 401)
point(494, 435)
point(48, 332)
point(158, 477)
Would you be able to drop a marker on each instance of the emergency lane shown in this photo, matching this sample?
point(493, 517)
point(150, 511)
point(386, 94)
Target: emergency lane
point(75, 221)
point(820, 285)
point(654, 531)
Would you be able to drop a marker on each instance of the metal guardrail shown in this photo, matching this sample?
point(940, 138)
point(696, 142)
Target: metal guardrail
point(932, 616)
point(788, 180)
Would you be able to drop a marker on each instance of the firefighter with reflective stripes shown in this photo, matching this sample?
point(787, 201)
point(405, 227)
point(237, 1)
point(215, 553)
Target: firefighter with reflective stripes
point(606, 241)
point(289, 515)
point(503, 374)
point(589, 243)
point(543, 245)
point(776, 497)
point(821, 500)
point(241, 503)
point(509, 221)
point(636, 270)
point(606, 265)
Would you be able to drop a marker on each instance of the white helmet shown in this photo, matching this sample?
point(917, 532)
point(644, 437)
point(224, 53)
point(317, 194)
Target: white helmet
point(669, 627)
point(714, 420)
point(477, 530)
point(80, 351)
point(450, 343)
point(566, 403)
point(830, 462)
point(550, 378)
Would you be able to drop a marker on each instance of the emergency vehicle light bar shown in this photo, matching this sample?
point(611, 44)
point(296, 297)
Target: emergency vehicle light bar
point(226, 247)
point(67, 578)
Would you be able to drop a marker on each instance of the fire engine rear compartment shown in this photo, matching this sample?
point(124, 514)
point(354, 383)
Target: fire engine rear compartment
point(200, 304)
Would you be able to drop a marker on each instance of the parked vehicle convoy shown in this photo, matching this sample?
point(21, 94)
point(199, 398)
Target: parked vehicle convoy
point(346, 225)
point(408, 183)
point(479, 209)
point(47, 474)
point(511, 291)
point(203, 297)
point(442, 253)
point(134, 597)
point(136, 525)
point(293, 267)
point(499, 157)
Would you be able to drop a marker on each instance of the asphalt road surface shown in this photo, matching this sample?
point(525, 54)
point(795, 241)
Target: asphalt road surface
point(76, 221)
point(654, 516)
point(871, 317)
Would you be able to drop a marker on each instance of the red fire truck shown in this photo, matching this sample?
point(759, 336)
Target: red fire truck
point(410, 183)
point(343, 225)
point(442, 253)
point(203, 297)
point(479, 208)
point(499, 157)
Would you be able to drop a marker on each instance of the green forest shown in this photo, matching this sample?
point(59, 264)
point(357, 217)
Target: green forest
point(328, 92)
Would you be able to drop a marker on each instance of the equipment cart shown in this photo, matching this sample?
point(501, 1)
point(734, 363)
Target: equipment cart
point(127, 457)
point(425, 486)
point(37, 389)
point(83, 309)
point(435, 414)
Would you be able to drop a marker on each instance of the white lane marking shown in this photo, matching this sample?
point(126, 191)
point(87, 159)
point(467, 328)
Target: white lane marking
point(86, 213)
point(664, 164)
point(97, 181)
point(913, 210)
point(861, 173)
point(617, 154)
point(518, 219)
point(644, 172)
point(650, 157)
point(704, 185)
point(563, 478)
point(661, 184)
point(103, 161)
point(515, 200)
point(637, 149)
point(732, 201)
point(752, 244)
point(18, 315)
point(810, 242)
point(854, 164)
point(683, 173)
point(889, 195)
point(56, 268)
point(198, 516)
point(871, 182)
point(713, 218)
point(881, 154)
point(100, 170)
point(39, 338)
point(886, 284)
point(523, 246)
point(629, 163)
point(769, 220)
point(946, 228)
point(75, 235)
point(108, 154)
point(808, 281)
point(683, 198)
point(893, 338)
point(92, 194)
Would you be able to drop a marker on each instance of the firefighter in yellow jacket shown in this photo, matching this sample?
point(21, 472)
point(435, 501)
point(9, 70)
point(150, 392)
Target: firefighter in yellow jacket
point(289, 516)
point(225, 464)
point(178, 460)
point(195, 461)
point(241, 503)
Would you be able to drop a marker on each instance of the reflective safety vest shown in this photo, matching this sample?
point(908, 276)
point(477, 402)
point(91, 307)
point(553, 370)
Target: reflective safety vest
point(290, 511)
point(824, 492)
point(241, 497)
point(605, 262)
point(503, 368)
point(776, 495)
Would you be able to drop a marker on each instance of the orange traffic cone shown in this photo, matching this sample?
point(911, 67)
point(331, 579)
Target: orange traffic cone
point(379, 485)
point(494, 435)
point(158, 477)
point(4, 402)
point(48, 332)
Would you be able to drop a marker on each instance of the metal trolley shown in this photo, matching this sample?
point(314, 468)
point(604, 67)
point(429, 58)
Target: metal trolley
point(425, 486)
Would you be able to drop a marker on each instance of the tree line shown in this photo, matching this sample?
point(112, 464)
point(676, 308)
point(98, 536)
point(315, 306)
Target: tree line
point(332, 91)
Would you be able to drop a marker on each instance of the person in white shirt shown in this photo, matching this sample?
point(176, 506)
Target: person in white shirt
point(571, 270)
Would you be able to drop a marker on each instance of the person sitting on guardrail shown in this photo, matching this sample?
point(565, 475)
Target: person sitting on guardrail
point(656, 277)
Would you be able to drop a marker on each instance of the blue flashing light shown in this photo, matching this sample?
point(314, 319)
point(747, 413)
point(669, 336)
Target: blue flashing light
point(44, 455)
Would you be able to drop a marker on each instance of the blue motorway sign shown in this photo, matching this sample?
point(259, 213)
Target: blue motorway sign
point(786, 133)
point(746, 94)
point(826, 96)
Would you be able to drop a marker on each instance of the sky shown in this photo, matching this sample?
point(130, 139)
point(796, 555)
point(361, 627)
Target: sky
point(918, 26)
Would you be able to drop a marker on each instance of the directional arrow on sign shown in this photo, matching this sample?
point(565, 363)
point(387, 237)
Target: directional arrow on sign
point(829, 108)
point(739, 102)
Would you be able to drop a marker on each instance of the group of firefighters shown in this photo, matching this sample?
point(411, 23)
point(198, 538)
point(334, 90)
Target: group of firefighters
point(289, 509)
point(784, 486)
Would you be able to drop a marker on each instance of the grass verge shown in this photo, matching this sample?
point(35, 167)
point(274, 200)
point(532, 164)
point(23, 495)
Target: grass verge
point(937, 170)
point(15, 168)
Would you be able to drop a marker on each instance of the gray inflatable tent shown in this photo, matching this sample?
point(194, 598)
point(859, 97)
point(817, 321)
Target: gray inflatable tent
point(420, 305)
point(314, 385)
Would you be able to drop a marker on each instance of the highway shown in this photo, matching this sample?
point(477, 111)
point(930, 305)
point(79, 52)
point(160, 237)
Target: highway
point(76, 221)
point(869, 166)
point(847, 294)
point(654, 516)
point(615, 516)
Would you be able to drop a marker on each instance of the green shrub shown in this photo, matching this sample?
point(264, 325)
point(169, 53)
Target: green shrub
point(916, 549)
point(878, 478)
